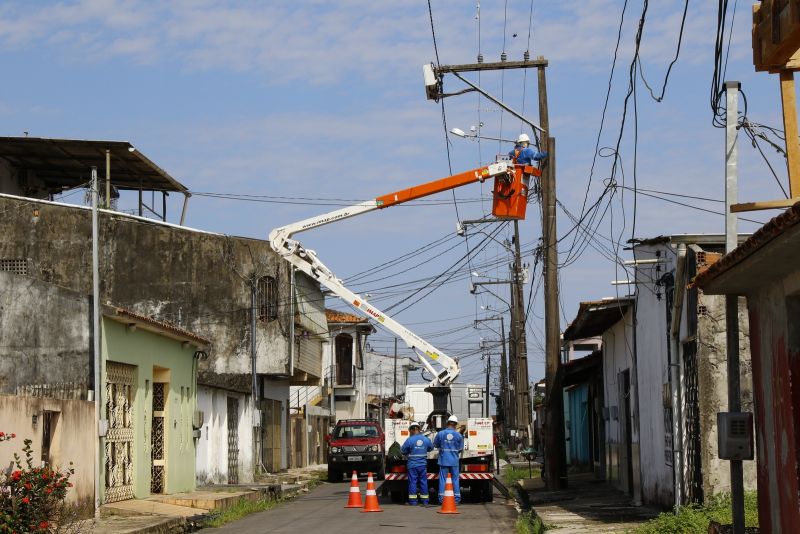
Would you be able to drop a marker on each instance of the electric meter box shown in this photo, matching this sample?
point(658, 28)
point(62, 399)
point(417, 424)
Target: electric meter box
point(479, 434)
point(735, 435)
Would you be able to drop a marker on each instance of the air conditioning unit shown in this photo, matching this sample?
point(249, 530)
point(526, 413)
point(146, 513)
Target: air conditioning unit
point(735, 435)
point(198, 418)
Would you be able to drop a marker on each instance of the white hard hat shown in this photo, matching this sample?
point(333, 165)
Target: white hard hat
point(523, 138)
point(414, 424)
point(452, 419)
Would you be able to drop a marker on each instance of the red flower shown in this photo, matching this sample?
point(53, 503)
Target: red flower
point(43, 525)
point(26, 500)
point(16, 475)
point(28, 485)
point(2, 434)
point(69, 484)
point(13, 435)
point(48, 490)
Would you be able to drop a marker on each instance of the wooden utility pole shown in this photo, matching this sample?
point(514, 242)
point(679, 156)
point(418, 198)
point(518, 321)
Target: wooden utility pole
point(553, 400)
point(522, 388)
point(520, 408)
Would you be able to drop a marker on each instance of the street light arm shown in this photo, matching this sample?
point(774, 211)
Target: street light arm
point(499, 103)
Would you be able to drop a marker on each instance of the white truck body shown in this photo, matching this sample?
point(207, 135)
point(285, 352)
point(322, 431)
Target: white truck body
point(466, 400)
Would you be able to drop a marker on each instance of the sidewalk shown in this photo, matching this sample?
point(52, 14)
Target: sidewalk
point(587, 505)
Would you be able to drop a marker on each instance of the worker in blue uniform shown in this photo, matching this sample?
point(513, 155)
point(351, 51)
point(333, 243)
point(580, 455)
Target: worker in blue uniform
point(416, 449)
point(450, 444)
point(523, 154)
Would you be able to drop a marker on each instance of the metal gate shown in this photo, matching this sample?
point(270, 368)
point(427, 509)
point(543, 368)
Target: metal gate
point(694, 471)
point(158, 461)
point(119, 438)
point(271, 435)
point(233, 440)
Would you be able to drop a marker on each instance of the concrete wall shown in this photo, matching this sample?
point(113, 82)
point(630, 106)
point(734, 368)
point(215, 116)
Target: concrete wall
point(45, 333)
point(147, 350)
point(212, 447)
point(713, 388)
point(776, 366)
point(195, 279)
point(73, 437)
point(618, 355)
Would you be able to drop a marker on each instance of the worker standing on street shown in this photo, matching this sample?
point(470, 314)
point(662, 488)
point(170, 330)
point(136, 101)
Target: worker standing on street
point(450, 444)
point(416, 448)
point(523, 154)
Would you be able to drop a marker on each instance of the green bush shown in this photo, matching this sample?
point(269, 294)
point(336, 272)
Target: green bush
point(512, 474)
point(32, 498)
point(529, 523)
point(696, 518)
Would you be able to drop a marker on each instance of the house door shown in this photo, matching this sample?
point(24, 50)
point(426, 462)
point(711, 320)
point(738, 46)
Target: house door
point(157, 438)
point(233, 440)
point(119, 438)
point(271, 434)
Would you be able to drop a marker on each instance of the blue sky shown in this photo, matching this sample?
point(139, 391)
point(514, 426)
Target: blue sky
point(325, 100)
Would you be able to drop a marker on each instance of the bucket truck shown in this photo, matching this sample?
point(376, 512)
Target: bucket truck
point(510, 198)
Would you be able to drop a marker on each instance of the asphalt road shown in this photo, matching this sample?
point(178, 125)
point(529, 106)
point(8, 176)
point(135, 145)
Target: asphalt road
point(322, 512)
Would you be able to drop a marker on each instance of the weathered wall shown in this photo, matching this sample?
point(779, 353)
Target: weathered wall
point(653, 371)
point(72, 438)
point(712, 376)
point(617, 357)
point(775, 344)
point(44, 334)
point(212, 447)
point(197, 280)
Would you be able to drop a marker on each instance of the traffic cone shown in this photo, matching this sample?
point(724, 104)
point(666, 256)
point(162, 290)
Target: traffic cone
point(355, 494)
point(449, 501)
point(372, 498)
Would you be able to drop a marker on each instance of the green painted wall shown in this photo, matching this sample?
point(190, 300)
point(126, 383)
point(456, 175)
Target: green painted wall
point(147, 350)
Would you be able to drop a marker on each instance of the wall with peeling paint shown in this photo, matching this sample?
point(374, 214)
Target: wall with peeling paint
point(197, 280)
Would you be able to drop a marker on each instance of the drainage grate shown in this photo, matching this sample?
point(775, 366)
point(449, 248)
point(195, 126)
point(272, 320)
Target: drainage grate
point(16, 266)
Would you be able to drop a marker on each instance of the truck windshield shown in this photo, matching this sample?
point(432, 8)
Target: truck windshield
point(356, 431)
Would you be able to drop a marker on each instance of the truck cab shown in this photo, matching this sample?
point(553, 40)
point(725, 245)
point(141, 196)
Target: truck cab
point(356, 445)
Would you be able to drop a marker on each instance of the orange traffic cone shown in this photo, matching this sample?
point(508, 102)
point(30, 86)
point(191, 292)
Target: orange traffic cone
point(355, 494)
point(449, 501)
point(372, 497)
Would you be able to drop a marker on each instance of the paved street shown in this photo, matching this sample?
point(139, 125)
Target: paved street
point(323, 510)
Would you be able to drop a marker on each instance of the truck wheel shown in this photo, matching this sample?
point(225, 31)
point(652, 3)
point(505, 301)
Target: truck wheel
point(334, 475)
point(487, 492)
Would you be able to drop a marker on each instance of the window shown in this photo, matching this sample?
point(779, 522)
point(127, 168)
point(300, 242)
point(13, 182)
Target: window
point(344, 359)
point(16, 266)
point(475, 409)
point(356, 431)
point(267, 298)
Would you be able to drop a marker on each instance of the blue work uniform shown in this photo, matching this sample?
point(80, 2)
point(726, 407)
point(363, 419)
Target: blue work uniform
point(417, 448)
point(526, 155)
point(450, 444)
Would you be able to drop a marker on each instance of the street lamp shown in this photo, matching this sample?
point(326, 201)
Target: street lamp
point(458, 132)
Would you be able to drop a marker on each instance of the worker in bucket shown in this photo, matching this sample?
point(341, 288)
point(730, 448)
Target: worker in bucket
point(450, 444)
point(523, 154)
point(416, 448)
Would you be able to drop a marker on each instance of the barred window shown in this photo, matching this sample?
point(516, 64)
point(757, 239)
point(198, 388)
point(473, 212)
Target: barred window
point(267, 298)
point(16, 266)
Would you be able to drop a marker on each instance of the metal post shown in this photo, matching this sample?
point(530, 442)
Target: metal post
point(522, 385)
point(254, 381)
point(97, 359)
point(486, 395)
point(732, 301)
point(108, 179)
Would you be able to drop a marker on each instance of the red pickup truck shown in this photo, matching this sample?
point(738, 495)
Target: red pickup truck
point(356, 445)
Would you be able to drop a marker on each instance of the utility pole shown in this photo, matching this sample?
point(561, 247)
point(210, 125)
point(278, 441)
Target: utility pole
point(521, 405)
point(554, 402)
point(522, 388)
point(732, 301)
point(503, 374)
point(97, 359)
